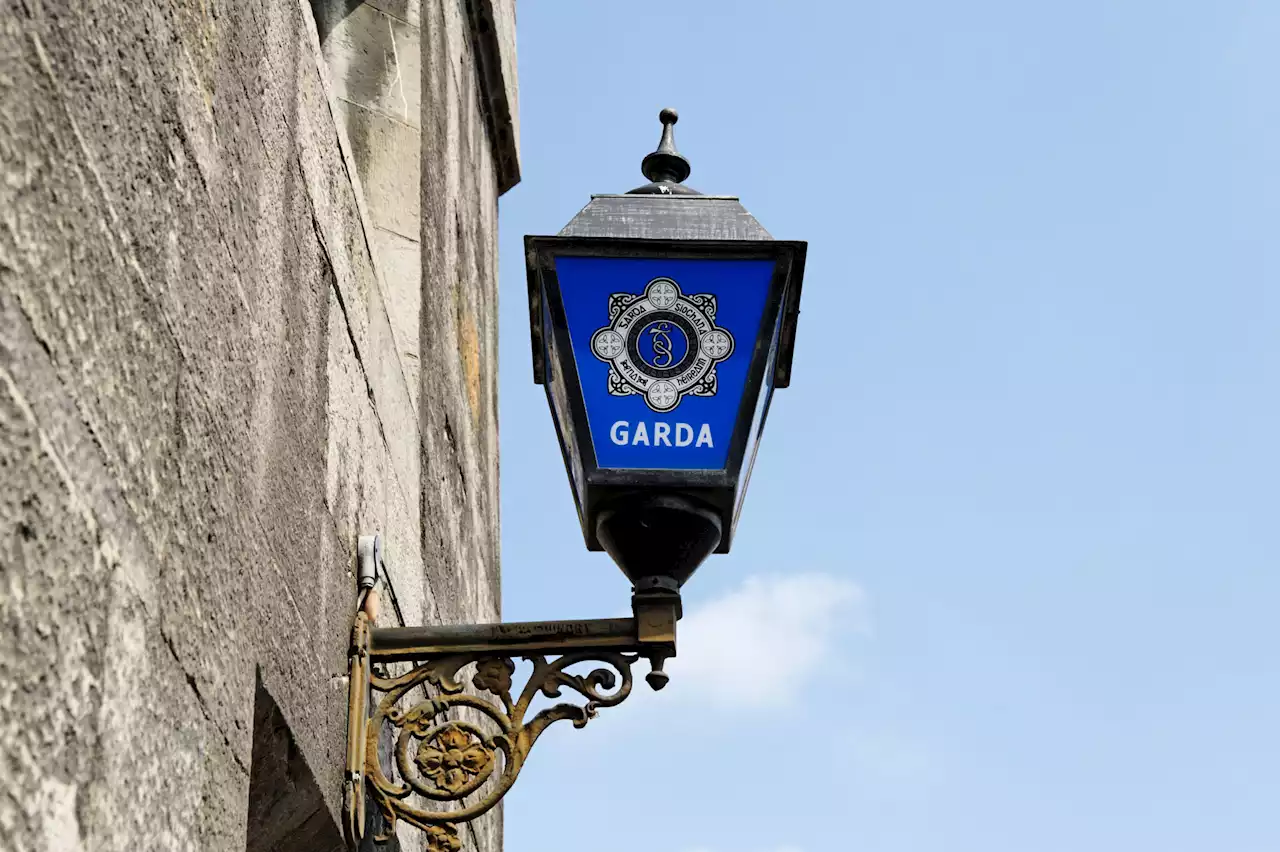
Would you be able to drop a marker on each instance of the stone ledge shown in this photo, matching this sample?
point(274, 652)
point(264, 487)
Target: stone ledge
point(493, 37)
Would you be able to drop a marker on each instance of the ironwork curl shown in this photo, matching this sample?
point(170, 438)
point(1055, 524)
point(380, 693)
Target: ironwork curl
point(446, 759)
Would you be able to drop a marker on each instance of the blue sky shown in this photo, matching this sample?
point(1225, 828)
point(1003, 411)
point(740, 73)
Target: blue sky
point(1007, 575)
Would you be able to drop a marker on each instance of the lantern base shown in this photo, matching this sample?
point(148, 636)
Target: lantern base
point(658, 540)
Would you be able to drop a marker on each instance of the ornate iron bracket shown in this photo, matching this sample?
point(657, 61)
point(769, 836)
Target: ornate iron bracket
point(453, 769)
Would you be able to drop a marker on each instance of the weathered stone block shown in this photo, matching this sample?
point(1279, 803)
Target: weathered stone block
point(386, 150)
point(374, 63)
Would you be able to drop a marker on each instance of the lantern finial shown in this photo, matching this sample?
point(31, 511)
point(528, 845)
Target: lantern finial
point(666, 168)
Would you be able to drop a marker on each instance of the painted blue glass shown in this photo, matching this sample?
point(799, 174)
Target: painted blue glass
point(663, 348)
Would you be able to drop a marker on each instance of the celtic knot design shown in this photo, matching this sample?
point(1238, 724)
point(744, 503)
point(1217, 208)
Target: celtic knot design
point(717, 344)
point(617, 387)
point(664, 395)
point(663, 344)
point(706, 387)
point(617, 302)
point(663, 293)
point(705, 301)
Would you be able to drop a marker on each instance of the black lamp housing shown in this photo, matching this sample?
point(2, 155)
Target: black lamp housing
point(647, 310)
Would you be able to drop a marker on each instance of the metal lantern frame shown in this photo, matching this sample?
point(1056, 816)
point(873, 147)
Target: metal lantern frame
point(595, 486)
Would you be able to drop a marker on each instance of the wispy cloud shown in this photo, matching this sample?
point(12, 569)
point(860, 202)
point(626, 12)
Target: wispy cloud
point(755, 649)
point(756, 646)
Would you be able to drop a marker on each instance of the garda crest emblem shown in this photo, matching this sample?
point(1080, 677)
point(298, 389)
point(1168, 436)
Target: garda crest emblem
point(662, 344)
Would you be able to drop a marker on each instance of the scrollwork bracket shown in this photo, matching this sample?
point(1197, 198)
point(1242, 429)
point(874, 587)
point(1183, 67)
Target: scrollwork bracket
point(460, 732)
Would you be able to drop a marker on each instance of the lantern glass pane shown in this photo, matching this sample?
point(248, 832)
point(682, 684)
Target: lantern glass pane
point(558, 396)
point(663, 349)
point(757, 422)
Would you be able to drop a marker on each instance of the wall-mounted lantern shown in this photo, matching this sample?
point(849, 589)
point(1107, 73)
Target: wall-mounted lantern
point(662, 321)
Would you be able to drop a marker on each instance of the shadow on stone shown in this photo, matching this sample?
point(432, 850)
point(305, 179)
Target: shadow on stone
point(287, 813)
point(330, 13)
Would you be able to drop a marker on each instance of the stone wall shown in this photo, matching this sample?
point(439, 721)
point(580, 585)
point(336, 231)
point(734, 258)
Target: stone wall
point(219, 366)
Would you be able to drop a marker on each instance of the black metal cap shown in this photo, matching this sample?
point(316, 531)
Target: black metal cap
point(658, 540)
point(666, 168)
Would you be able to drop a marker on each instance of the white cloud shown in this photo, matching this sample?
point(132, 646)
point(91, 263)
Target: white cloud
point(756, 646)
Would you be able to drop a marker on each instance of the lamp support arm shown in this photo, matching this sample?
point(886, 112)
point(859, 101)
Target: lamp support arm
point(439, 741)
point(514, 638)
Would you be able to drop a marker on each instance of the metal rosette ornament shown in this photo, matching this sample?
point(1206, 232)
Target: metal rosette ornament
point(662, 344)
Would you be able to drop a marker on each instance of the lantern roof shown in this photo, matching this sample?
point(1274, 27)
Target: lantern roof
point(666, 217)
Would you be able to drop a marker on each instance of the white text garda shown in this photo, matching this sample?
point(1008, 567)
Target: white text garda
point(661, 435)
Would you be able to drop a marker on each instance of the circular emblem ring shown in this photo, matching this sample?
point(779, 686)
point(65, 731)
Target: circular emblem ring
point(662, 344)
point(677, 325)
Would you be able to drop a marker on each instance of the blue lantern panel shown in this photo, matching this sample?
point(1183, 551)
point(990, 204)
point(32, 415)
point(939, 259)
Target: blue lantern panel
point(663, 349)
